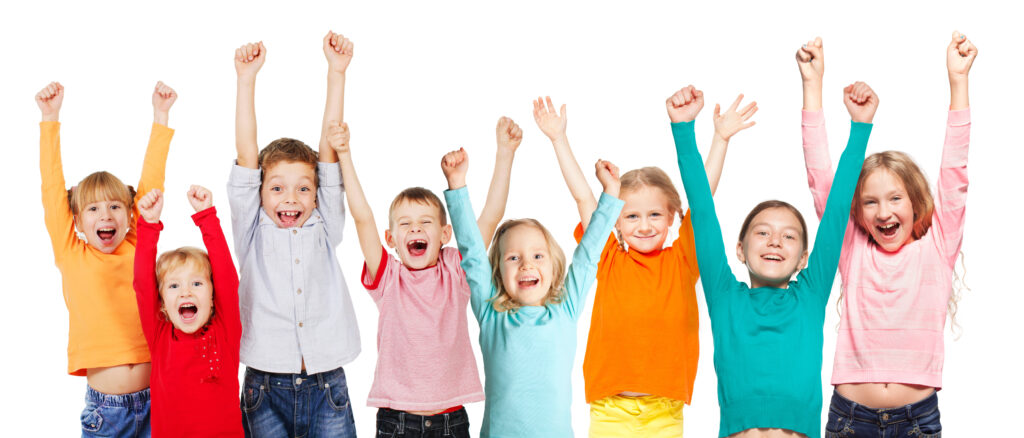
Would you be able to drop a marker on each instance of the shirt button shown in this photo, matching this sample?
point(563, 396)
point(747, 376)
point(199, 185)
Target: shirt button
point(296, 261)
point(426, 423)
point(295, 231)
point(299, 291)
point(300, 324)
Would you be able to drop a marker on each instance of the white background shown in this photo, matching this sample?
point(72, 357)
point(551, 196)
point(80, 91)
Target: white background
point(429, 78)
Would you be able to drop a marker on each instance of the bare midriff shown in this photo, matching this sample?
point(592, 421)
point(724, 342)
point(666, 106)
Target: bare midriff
point(884, 395)
point(764, 432)
point(633, 394)
point(426, 413)
point(120, 379)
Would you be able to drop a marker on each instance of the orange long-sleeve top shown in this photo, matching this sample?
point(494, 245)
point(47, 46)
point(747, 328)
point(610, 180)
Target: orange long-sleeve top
point(104, 328)
point(643, 330)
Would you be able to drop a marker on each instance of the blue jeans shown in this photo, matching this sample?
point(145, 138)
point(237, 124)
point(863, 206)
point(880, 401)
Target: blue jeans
point(296, 405)
point(846, 418)
point(125, 415)
point(392, 424)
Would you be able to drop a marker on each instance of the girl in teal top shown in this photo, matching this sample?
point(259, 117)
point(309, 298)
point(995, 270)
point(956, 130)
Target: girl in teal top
point(768, 337)
point(527, 307)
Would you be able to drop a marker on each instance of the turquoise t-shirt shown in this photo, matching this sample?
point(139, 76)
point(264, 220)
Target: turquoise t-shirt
point(528, 353)
point(768, 341)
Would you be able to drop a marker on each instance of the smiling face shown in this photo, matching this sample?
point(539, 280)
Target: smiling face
point(645, 219)
point(417, 232)
point(187, 295)
point(105, 224)
point(773, 247)
point(885, 210)
point(527, 266)
point(288, 194)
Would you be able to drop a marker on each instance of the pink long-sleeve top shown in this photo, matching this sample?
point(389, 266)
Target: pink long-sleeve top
point(894, 310)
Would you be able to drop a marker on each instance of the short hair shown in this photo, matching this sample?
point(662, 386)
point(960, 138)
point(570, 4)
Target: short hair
point(418, 195)
point(502, 301)
point(774, 203)
point(186, 255)
point(100, 186)
point(918, 192)
point(289, 150)
point(652, 176)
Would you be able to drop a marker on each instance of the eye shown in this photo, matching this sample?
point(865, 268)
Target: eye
point(655, 214)
point(115, 206)
point(762, 233)
point(632, 216)
point(896, 198)
point(403, 224)
point(304, 189)
point(790, 237)
point(172, 286)
point(93, 208)
point(538, 256)
point(427, 222)
point(512, 258)
point(275, 189)
point(197, 284)
point(869, 202)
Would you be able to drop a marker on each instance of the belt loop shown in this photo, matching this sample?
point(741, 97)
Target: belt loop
point(910, 412)
point(853, 409)
point(266, 380)
point(320, 380)
point(401, 423)
point(447, 428)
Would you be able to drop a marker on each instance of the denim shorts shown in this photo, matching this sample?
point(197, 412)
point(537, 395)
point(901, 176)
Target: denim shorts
point(296, 405)
point(392, 423)
point(124, 415)
point(846, 418)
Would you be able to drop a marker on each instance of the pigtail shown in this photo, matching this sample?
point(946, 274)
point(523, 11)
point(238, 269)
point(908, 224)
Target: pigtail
point(131, 193)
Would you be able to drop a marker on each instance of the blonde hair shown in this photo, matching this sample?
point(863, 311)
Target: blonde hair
point(650, 176)
point(173, 259)
point(101, 186)
point(502, 301)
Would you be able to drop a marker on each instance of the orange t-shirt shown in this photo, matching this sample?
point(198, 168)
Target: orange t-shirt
point(643, 330)
point(104, 328)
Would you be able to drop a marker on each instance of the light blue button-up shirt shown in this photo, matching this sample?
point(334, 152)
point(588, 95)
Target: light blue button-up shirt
point(293, 299)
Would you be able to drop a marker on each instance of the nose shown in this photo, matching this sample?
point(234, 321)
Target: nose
point(774, 240)
point(883, 211)
point(645, 226)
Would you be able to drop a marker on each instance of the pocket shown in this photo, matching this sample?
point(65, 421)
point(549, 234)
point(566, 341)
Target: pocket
point(928, 426)
point(337, 394)
point(92, 421)
point(252, 395)
point(386, 429)
point(837, 425)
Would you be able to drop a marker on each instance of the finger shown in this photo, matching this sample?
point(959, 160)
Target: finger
point(551, 106)
point(752, 106)
point(751, 112)
point(698, 95)
point(562, 111)
point(747, 125)
point(717, 112)
point(736, 103)
point(802, 54)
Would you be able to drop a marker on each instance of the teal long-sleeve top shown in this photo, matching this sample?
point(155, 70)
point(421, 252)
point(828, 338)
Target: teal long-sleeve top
point(528, 353)
point(767, 340)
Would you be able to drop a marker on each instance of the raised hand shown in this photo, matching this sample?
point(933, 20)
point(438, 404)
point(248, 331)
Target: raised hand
point(163, 99)
point(608, 175)
point(550, 122)
point(338, 51)
point(811, 60)
point(861, 101)
point(249, 58)
point(509, 134)
point(200, 198)
point(455, 164)
point(732, 121)
point(685, 104)
point(338, 137)
point(151, 205)
point(49, 100)
point(960, 56)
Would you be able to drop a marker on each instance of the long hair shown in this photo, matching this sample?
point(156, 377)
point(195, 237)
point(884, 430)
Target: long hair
point(502, 301)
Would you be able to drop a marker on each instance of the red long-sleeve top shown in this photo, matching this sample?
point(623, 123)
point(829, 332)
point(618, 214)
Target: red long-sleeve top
point(194, 382)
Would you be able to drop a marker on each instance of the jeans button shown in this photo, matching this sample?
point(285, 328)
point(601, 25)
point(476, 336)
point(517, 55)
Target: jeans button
point(426, 423)
point(298, 380)
point(885, 417)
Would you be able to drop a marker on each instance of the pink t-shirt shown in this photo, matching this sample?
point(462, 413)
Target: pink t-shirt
point(894, 308)
point(424, 359)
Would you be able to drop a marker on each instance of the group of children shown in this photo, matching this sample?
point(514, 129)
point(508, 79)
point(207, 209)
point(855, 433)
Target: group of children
point(161, 338)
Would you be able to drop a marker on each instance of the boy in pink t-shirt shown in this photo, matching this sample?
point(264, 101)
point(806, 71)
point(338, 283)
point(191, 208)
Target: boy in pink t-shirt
point(426, 369)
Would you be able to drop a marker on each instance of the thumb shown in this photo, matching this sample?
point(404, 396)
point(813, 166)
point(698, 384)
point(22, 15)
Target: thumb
point(718, 109)
point(957, 39)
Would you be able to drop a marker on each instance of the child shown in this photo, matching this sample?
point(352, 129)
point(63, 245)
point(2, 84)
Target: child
point(188, 303)
point(527, 307)
point(105, 340)
point(425, 369)
point(896, 265)
point(287, 212)
point(768, 336)
point(636, 384)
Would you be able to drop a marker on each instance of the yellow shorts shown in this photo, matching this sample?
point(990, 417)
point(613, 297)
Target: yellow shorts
point(647, 416)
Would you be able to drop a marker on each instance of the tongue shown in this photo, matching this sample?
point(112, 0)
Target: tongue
point(188, 312)
point(888, 232)
point(105, 235)
point(416, 250)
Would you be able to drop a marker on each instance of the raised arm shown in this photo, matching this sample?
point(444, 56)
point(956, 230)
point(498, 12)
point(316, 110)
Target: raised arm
point(471, 246)
point(338, 138)
point(810, 58)
point(509, 137)
point(960, 56)
point(60, 222)
point(727, 124)
point(338, 51)
point(144, 281)
point(248, 60)
point(225, 277)
point(552, 124)
point(154, 166)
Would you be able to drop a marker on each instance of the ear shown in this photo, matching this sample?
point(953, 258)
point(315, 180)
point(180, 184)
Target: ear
point(446, 234)
point(739, 253)
point(389, 239)
point(803, 261)
point(672, 218)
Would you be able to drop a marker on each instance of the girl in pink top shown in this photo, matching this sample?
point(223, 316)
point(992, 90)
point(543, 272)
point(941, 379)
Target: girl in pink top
point(896, 265)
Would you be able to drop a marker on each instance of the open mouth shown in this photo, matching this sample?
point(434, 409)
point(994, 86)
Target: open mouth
point(417, 247)
point(528, 282)
point(774, 258)
point(106, 234)
point(187, 312)
point(288, 218)
point(888, 230)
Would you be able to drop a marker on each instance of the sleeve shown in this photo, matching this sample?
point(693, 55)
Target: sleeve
point(225, 277)
point(824, 258)
point(816, 157)
point(685, 246)
point(951, 202)
point(153, 166)
point(330, 196)
point(60, 222)
point(609, 246)
point(581, 273)
point(471, 246)
point(144, 282)
point(244, 200)
point(373, 285)
point(710, 249)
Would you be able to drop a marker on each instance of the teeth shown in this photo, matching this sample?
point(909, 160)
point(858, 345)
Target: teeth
point(888, 226)
point(290, 213)
point(773, 257)
point(106, 229)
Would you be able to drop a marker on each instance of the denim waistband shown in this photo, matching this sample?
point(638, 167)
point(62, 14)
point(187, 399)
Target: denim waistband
point(295, 382)
point(882, 417)
point(423, 423)
point(120, 400)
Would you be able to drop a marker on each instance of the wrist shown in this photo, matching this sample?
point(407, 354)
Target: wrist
point(957, 80)
point(612, 190)
point(335, 74)
point(160, 117)
point(246, 78)
point(719, 137)
point(456, 182)
point(51, 117)
point(558, 138)
point(505, 153)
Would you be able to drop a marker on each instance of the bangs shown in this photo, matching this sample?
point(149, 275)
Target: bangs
point(184, 256)
point(100, 186)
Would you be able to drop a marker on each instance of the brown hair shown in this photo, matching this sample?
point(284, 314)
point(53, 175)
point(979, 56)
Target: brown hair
point(501, 301)
point(291, 150)
point(918, 192)
point(775, 204)
point(419, 195)
point(101, 186)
